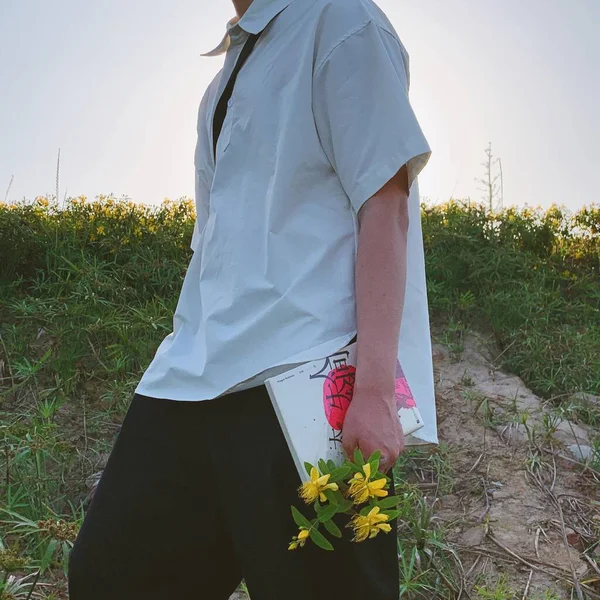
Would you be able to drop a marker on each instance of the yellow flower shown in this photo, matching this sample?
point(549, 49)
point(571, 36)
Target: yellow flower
point(100, 230)
point(370, 525)
point(316, 487)
point(299, 540)
point(362, 488)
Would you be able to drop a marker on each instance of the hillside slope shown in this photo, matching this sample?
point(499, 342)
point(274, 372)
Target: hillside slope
point(503, 508)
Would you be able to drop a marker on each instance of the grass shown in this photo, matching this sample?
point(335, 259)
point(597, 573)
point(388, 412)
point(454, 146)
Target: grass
point(529, 277)
point(428, 564)
point(500, 590)
point(88, 290)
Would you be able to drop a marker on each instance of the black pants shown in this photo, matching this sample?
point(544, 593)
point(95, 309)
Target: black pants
point(195, 497)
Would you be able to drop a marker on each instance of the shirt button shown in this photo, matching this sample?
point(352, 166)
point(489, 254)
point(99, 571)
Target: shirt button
point(230, 102)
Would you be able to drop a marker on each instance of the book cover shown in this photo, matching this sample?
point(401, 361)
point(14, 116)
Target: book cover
point(311, 403)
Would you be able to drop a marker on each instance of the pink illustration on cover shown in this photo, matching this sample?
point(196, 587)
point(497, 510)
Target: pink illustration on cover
point(338, 389)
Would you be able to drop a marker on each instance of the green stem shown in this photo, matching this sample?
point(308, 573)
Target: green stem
point(33, 585)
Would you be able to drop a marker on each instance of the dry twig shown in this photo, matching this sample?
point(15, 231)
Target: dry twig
point(592, 563)
point(526, 592)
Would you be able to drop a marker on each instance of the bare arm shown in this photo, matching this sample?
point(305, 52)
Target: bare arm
point(372, 422)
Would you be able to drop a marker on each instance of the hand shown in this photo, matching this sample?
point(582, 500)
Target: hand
point(372, 424)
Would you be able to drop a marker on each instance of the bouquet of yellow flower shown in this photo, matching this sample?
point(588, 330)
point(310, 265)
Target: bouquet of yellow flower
point(356, 488)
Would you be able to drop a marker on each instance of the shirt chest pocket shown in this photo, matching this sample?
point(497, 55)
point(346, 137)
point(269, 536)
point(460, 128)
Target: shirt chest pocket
point(250, 125)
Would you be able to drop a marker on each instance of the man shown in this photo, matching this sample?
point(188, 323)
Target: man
point(307, 149)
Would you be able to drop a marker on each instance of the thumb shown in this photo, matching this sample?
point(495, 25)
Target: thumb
point(349, 441)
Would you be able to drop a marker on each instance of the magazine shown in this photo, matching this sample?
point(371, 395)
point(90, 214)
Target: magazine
point(311, 403)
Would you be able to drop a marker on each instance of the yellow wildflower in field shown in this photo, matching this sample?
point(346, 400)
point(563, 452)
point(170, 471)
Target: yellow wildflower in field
point(316, 487)
point(370, 525)
point(362, 488)
point(100, 230)
point(299, 540)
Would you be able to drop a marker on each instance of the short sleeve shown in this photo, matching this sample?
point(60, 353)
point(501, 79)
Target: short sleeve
point(364, 118)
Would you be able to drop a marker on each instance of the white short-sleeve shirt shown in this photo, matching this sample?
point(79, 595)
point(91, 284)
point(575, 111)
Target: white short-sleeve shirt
point(318, 122)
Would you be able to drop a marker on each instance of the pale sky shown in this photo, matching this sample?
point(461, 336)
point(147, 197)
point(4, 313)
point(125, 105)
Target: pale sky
point(116, 85)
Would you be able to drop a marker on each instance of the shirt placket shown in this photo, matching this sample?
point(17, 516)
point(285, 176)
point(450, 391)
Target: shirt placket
point(238, 37)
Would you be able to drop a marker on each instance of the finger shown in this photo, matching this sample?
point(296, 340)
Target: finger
point(388, 460)
point(383, 463)
point(402, 446)
point(387, 463)
point(350, 443)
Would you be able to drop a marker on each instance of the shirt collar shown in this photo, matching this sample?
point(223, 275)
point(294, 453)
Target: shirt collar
point(255, 19)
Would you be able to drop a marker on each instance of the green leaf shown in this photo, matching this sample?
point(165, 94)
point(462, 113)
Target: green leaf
point(392, 514)
point(354, 468)
point(332, 497)
point(376, 456)
point(65, 554)
point(299, 518)
point(327, 513)
point(333, 529)
point(48, 556)
point(21, 518)
point(308, 467)
point(323, 467)
point(389, 502)
point(359, 459)
point(339, 474)
point(320, 540)
point(345, 505)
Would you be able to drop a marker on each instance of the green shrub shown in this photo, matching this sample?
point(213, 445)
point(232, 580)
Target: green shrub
point(532, 277)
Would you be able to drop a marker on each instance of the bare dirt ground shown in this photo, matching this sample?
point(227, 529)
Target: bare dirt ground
point(522, 505)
